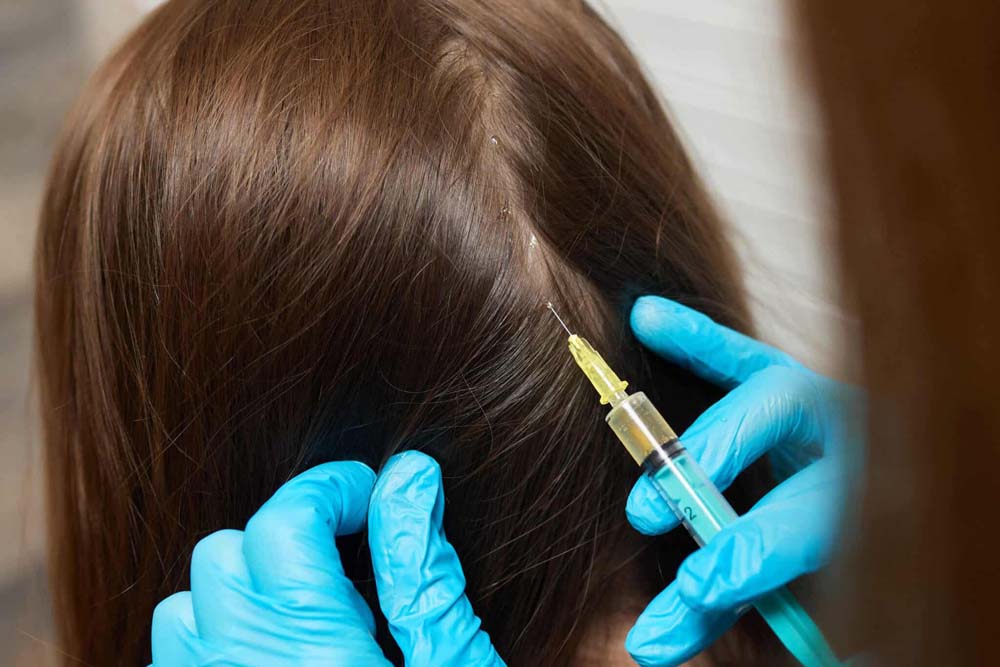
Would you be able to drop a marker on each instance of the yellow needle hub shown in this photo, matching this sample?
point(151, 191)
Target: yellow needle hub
point(610, 387)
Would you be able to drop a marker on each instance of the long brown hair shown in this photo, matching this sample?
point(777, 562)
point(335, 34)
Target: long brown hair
point(910, 97)
point(282, 233)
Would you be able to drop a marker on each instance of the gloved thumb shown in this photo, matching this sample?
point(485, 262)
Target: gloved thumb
point(421, 586)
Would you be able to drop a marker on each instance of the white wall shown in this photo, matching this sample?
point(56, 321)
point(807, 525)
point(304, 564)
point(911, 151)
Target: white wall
point(727, 72)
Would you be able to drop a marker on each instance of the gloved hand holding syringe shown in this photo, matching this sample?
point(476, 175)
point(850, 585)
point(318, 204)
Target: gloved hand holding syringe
point(776, 407)
point(686, 488)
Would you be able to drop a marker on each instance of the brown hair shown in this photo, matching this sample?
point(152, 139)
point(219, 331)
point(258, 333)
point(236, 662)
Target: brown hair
point(910, 96)
point(279, 233)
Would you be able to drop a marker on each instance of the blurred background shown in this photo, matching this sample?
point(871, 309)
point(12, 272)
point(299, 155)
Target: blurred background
point(725, 69)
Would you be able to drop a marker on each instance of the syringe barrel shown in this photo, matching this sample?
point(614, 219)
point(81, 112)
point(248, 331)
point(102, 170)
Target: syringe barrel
point(679, 479)
point(690, 493)
point(696, 501)
point(639, 426)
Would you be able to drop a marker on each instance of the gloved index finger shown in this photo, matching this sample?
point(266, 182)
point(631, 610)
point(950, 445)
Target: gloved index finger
point(776, 407)
point(420, 582)
point(289, 543)
point(691, 339)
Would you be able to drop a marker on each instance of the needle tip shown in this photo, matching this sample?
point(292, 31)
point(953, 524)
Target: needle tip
point(549, 305)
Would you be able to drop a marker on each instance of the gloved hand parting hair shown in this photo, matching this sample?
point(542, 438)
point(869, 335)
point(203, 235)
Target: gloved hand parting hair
point(421, 587)
point(774, 402)
point(276, 594)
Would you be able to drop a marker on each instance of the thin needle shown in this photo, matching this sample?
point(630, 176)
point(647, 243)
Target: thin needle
point(563, 324)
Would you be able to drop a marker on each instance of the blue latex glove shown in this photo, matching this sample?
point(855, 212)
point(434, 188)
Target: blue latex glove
point(276, 594)
point(775, 403)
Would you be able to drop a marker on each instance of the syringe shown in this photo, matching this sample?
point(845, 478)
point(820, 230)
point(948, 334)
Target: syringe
point(690, 493)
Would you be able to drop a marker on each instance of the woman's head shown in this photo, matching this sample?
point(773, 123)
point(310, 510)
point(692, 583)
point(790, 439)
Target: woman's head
point(283, 233)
